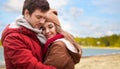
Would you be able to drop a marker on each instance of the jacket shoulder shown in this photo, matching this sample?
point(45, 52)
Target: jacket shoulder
point(59, 56)
point(58, 45)
point(61, 43)
point(70, 49)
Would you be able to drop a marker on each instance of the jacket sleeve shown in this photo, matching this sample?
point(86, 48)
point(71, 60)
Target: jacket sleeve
point(58, 56)
point(20, 56)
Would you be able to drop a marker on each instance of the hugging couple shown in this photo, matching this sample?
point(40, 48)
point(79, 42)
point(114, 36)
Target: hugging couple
point(36, 40)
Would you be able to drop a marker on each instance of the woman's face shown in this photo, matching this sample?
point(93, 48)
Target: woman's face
point(49, 30)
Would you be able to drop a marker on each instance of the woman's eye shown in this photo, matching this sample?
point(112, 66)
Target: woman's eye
point(50, 26)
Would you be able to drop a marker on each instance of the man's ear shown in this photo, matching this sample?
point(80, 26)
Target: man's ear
point(26, 13)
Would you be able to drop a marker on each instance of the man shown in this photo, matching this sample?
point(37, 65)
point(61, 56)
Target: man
point(22, 39)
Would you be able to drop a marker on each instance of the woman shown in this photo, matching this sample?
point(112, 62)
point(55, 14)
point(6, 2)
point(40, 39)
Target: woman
point(60, 49)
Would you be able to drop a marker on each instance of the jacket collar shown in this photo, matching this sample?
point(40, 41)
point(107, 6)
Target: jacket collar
point(50, 41)
point(21, 30)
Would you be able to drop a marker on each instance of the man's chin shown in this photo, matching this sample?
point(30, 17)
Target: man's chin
point(37, 28)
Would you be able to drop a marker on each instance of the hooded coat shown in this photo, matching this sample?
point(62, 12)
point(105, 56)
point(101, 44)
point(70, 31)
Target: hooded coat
point(22, 49)
point(61, 53)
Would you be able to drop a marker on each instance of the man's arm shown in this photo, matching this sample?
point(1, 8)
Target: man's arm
point(20, 56)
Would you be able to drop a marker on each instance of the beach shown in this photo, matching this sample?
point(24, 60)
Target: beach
point(98, 62)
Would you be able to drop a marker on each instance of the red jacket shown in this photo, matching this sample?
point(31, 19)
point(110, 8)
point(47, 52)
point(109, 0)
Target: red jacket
point(22, 49)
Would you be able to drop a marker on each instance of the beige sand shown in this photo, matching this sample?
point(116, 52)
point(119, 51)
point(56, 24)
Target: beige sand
point(98, 62)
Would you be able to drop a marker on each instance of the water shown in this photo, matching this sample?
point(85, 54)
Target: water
point(1, 56)
point(86, 52)
point(96, 51)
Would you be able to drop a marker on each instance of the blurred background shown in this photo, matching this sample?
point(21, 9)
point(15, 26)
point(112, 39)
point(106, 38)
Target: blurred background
point(82, 18)
point(94, 23)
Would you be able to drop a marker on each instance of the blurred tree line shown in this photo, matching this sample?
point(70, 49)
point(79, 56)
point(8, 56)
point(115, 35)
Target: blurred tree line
point(106, 41)
point(0, 43)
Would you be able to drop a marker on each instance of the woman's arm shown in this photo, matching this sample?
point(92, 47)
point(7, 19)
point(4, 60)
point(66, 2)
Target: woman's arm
point(58, 56)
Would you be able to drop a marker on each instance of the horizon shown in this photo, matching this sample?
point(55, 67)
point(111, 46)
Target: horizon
point(82, 18)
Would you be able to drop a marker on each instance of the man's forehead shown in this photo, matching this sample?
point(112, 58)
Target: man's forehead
point(39, 12)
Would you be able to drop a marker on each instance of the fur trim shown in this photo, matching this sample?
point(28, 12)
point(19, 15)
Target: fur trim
point(68, 45)
point(21, 21)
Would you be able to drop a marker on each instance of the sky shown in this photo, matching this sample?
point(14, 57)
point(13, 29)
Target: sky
point(82, 18)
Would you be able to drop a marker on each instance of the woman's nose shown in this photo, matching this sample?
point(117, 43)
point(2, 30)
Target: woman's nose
point(47, 30)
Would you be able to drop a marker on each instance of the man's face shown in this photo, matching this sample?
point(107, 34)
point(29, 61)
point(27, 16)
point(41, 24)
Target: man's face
point(36, 19)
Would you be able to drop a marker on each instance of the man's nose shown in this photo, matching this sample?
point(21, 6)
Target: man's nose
point(42, 20)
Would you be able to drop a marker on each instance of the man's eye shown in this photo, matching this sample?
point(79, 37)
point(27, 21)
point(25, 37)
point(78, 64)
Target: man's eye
point(38, 17)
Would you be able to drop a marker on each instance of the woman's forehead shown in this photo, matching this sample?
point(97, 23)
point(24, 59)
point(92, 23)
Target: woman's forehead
point(48, 23)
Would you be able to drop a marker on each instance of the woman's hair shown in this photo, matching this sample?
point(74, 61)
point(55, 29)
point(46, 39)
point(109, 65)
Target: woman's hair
point(68, 36)
point(52, 17)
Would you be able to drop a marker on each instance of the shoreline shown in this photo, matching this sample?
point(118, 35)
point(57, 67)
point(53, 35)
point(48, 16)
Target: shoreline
point(102, 55)
point(96, 62)
point(2, 66)
point(99, 55)
point(117, 48)
point(92, 47)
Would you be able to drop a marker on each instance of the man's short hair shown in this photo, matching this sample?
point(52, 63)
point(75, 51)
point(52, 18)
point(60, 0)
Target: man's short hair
point(32, 5)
